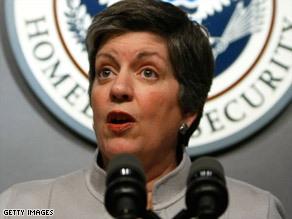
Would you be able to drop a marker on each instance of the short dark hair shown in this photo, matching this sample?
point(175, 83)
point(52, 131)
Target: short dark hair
point(188, 46)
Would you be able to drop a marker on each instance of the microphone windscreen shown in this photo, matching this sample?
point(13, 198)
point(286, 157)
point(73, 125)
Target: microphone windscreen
point(125, 195)
point(206, 164)
point(125, 161)
point(207, 195)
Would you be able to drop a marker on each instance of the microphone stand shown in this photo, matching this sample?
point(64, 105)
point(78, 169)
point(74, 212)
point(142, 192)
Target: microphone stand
point(150, 215)
point(183, 214)
point(147, 215)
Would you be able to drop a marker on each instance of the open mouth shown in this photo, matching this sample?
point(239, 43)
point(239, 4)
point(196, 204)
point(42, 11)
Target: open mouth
point(117, 117)
point(119, 122)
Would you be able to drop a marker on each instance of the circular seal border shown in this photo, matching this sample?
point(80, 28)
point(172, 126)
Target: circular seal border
point(255, 62)
point(33, 83)
point(246, 132)
point(89, 134)
point(210, 98)
point(63, 41)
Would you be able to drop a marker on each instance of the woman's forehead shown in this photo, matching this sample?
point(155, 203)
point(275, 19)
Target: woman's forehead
point(142, 44)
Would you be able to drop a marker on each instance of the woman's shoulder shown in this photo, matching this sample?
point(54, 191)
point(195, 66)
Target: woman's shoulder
point(35, 194)
point(238, 187)
point(26, 195)
point(251, 201)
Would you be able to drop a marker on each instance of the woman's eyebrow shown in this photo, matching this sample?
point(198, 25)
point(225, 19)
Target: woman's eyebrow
point(106, 55)
point(139, 56)
point(149, 54)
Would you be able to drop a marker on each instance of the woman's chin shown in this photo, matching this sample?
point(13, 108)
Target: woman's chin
point(119, 147)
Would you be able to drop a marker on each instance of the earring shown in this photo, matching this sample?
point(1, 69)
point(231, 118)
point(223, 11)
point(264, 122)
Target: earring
point(184, 128)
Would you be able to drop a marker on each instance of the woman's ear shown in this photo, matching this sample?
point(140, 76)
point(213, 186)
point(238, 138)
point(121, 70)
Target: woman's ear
point(189, 118)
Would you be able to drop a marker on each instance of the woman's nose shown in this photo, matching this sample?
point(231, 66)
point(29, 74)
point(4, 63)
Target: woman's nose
point(121, 90)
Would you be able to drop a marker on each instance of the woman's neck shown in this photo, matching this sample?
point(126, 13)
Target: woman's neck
point(155, 174)
point(154, 169)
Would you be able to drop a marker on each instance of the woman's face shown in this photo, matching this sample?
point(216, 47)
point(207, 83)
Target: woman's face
point(135, 98)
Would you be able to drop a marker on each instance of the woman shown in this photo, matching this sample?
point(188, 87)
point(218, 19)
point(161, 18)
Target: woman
point(143, 89)
point(135, 87)
point(150, 72)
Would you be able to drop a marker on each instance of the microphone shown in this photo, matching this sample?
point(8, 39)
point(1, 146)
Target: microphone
point(125, 196)
point(206, 195)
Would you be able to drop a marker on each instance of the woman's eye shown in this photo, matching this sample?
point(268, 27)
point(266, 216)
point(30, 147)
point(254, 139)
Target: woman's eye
point(105, 73)
point(148, 73)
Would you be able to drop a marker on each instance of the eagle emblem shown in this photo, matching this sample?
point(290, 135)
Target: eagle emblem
point(241, 19)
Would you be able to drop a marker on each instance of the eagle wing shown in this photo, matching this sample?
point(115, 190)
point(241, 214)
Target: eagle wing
point(107, 2)
point(202, 8)
point(243, 22)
